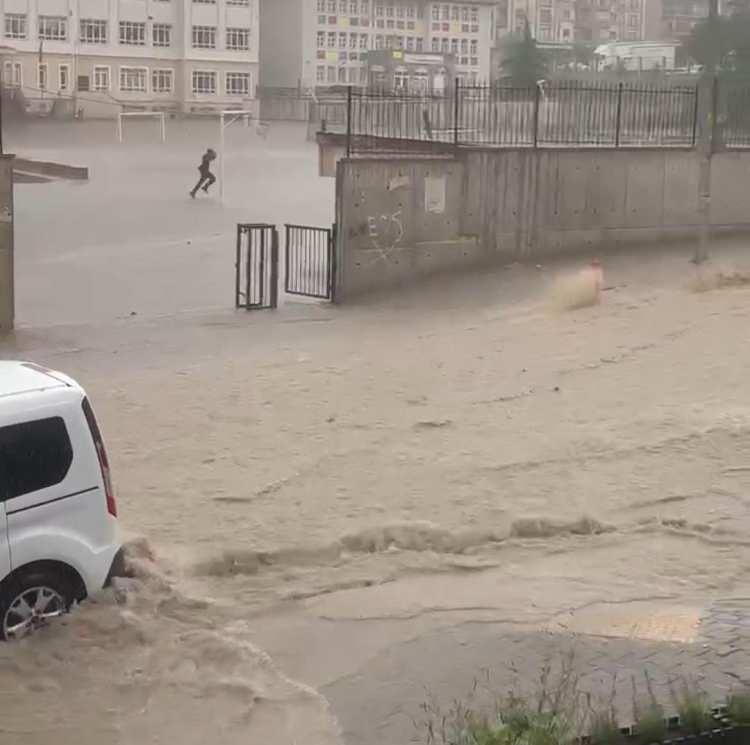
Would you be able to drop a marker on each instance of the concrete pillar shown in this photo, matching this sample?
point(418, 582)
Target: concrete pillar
point(7, 285)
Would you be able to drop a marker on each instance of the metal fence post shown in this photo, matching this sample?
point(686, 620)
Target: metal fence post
point(349, 121)
point(618, 123)
point(537, 100)
point(456, 110)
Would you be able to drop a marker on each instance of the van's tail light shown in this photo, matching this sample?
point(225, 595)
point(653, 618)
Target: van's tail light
point(101, 453)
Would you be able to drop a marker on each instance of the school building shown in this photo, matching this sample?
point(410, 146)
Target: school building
point(100, 57)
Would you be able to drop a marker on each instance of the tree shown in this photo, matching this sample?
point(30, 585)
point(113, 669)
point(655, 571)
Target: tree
point(524, 64)
point(723, 43)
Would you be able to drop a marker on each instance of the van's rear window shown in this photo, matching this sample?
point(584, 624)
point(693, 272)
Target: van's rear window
point(33, 455)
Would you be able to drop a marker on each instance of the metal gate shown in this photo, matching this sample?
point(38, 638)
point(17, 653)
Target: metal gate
point(257, 267)
point(310, 261)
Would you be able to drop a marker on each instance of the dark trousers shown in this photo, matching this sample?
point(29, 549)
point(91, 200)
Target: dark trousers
point(206, 180)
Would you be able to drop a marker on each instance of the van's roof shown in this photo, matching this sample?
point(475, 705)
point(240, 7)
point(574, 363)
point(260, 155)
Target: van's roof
point(26, 377)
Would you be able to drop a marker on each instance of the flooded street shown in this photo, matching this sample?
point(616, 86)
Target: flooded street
point(306, 488)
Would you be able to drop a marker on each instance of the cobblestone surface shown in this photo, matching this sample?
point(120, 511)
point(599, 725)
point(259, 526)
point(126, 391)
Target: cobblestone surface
point(382, 703)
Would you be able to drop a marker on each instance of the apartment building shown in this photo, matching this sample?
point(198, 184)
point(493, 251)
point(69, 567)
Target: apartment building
point(107, 56)
point(602, 21)
point(678, 17)
point(550, 21)
point(313, 43)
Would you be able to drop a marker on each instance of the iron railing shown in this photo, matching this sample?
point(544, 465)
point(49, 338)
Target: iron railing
point(734, 120)
point(558, 114)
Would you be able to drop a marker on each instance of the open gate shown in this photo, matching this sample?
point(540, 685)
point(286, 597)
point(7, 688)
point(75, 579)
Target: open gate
point(257, 266)
point(310, 266)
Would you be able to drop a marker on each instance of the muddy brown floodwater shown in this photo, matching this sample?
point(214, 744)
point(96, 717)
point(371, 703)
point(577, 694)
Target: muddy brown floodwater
point(469, 451)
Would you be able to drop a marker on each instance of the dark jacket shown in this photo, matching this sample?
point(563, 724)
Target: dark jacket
point(205, 166)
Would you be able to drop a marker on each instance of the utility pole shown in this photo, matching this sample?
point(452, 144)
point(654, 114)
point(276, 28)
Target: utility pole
point(710, 110)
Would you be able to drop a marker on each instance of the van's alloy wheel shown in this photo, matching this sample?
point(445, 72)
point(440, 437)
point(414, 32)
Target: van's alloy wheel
point(31, 609)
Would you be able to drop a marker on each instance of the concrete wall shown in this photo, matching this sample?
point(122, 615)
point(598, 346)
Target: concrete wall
point(504, 205)
point(399, 220)
point(7, 300)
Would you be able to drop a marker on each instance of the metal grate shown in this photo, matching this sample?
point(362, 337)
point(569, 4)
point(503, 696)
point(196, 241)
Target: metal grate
point(310, 261)
point(257, 274)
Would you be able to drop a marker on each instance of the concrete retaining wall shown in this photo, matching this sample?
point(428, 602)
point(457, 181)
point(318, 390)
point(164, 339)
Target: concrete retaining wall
point(504, 205)
point(399, 220)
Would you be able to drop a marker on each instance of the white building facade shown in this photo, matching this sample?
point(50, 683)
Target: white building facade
point(312, 43)
point(108, 56)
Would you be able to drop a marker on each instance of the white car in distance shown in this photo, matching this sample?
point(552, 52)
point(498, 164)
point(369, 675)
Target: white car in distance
point(59, 539)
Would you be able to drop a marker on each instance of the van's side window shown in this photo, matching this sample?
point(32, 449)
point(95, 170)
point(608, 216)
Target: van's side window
point(33, 455)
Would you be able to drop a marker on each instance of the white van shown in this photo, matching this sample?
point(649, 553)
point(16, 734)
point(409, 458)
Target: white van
point(58, 516)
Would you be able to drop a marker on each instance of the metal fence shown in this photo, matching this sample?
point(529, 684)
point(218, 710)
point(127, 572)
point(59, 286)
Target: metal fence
point(561, 114)
point(735, 119)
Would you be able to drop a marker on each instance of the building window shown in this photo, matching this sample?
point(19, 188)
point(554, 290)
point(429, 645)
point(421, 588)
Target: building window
point(101, 78)
point(204, 37)
point(133, 79)
point(238, 39)
point(321, 74)
point(342, 41)
point(363, 41)
point(15, 25)
point(238, 83)
point(133, 33)
point(162, 35)
point(12, 74)
point(41, 76)
point(321, 39)
point(204, 82)
point(53, 28)
point(93, 31)
point(331, 74)
point(321, 6)
point(63, 77)
point(162, 81)
point(331, 40)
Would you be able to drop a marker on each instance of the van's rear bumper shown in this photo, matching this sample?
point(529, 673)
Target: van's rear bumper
point(117, 569)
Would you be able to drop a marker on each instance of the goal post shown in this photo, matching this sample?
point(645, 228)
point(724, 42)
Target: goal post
point(160, 116)
point(227, 118)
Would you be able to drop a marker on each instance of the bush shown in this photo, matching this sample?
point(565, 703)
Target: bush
point(738, 709)
point(695, 713)
point(650, 726)
point(603, 730)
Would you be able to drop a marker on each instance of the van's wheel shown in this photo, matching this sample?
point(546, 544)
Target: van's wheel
point(30, 602)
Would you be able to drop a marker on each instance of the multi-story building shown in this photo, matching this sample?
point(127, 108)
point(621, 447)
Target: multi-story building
point(550, 21)
point(112, 55)
point(678, 17)
point(311, 43)
point(601, 21)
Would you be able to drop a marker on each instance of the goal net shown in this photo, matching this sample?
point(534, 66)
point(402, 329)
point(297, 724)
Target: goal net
point(158, 116)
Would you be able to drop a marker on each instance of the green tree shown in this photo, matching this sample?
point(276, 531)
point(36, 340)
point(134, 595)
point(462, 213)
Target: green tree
point(524, 64)
point(723, 43)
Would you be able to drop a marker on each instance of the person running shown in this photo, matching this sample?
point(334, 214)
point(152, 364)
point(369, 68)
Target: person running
point(207, 178)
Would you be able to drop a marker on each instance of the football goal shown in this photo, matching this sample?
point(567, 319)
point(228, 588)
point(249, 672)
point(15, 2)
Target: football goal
point(226, 119)
point(159, 116)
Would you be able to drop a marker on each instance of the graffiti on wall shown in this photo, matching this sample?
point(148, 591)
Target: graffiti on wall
point(386, 232)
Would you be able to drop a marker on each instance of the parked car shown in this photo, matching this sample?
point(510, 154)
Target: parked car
point(59, 539)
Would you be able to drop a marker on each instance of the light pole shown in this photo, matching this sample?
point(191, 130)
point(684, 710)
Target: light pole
point(710, 88)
